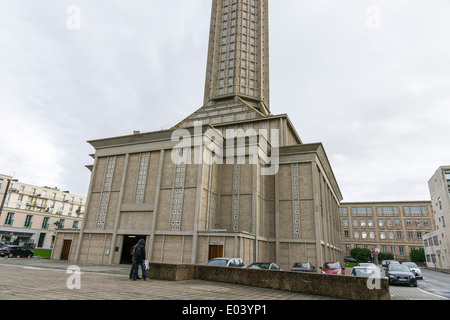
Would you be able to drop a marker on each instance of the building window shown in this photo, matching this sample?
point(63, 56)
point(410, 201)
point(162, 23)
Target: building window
point(28, 221)
point(382, 235)
point(370, 222)
point(9, 219)
point(401, 250)
point(410, 235)
point(399, 235)
point(45, 223)
point(361, 210)
point(343, 211)
point(75, 225)
point(372, 235)
point(380, 222)
point(346, 235)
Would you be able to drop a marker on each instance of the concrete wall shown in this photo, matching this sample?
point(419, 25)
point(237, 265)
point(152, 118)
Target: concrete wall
point(342, 287)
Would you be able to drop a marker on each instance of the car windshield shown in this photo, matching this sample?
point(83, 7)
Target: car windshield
point(366, 272)
point(394, 262)
point(301, 265)
point(410, 264)
point(398, 267)
point(332, 265)
point(218, 262)
point(259, 266)
point(367, 265)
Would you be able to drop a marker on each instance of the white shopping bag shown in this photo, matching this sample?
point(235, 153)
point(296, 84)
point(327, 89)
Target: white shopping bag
point(146, 265)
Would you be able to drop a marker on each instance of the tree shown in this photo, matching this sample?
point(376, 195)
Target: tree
point(417, 255)
point(362, 255)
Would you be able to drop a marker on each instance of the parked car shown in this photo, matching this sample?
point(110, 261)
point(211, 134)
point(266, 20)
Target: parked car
point(332, 267)
point(385, 263)
point(350, 262)
point(367, 271)
point(400, 274)
point(14, 251)
point(264, 265)
point(226, 262)
point(303, 267)
point(415, 269)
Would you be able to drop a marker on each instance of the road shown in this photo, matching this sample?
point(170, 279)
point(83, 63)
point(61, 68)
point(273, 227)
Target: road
point(435, 282)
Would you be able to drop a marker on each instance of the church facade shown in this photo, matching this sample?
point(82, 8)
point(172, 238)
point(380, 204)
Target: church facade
point(230, 180)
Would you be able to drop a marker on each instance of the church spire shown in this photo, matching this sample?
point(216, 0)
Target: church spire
point(238, 54)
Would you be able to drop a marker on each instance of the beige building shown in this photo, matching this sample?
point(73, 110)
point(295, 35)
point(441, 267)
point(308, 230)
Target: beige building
point(395, 227)
point(231, 179)
point(437, 241)
point(30, 215)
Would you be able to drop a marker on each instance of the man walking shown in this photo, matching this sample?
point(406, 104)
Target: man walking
point(138, 258)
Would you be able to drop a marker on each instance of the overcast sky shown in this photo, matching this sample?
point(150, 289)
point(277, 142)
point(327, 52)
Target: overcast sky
point(368, 79)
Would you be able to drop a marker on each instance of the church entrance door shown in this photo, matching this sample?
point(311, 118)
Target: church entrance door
point(215, 251)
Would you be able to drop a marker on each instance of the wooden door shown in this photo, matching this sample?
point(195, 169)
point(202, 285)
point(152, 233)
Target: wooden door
point(66, 249)
point(215, 251)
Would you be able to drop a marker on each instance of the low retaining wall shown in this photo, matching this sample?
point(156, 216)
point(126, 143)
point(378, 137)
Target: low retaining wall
point(342, 287)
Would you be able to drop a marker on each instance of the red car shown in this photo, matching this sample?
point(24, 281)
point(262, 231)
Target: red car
point(332, 268)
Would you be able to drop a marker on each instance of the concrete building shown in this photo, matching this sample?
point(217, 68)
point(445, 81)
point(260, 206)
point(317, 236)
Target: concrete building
point(232, 179)
point(396, 227)
point(31, 214)
point(437, 242)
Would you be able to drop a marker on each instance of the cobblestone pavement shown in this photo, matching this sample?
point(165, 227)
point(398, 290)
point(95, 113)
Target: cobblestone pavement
point(42, 279)
point(35, 279)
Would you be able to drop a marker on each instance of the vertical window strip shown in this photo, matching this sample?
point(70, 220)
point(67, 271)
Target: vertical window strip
point(295, 200)
point(178, 191)
point(106, 193)
point(236, 192)
point(142, 178)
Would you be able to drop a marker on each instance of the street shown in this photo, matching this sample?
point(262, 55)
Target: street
point(435, 282)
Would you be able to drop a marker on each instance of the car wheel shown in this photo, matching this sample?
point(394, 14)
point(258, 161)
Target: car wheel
point(10, 255)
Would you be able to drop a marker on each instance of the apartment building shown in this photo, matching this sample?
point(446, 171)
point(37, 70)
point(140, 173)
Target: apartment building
point(396, 227)
point(30, 215)
point(437, 242)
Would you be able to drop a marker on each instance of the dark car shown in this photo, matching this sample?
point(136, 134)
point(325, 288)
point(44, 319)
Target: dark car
point(303, 267)
point(264, 265)
point(15, 251)
point(400, 274)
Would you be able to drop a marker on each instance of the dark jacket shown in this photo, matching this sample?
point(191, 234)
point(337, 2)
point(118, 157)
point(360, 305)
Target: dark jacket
point(139, 251)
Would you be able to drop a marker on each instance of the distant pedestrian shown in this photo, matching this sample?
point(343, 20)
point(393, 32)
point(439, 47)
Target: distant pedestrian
point(139, 258)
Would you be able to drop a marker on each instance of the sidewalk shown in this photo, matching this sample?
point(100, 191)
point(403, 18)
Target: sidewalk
point(42, 279)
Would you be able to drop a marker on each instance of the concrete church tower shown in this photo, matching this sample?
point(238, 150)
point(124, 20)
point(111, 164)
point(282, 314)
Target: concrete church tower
point(231, 179)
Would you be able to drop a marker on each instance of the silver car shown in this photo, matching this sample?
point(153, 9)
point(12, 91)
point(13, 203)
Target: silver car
point(226, 262)
point(415, 269)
